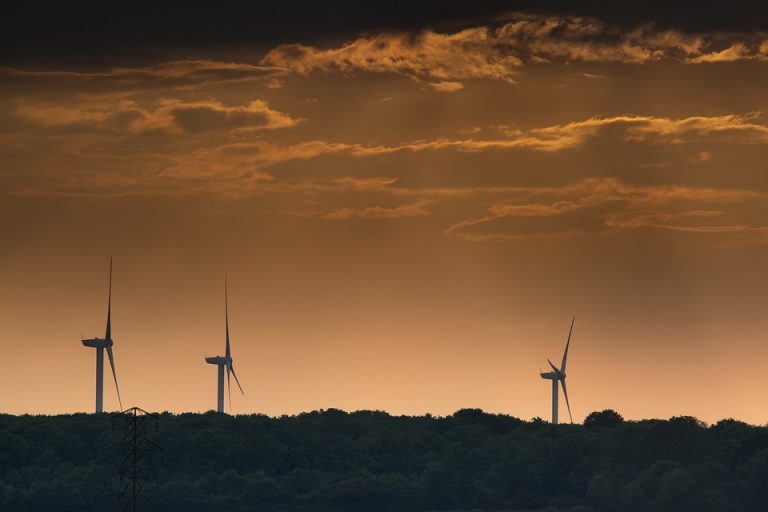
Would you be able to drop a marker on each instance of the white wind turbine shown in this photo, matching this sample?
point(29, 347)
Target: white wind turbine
point(224, 362)
point(558, 375)
point(100, 344)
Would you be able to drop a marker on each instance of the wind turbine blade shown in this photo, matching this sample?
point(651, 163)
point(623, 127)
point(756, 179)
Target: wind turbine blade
point(553, 367)
point(108, 336)
point(114, 374)
point(565, 354)
point(565, 392)
point(226, 317)
point(229, 390)
point(236, 380)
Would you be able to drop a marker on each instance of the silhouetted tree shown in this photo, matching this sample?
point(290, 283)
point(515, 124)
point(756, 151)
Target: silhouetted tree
point(605, 418)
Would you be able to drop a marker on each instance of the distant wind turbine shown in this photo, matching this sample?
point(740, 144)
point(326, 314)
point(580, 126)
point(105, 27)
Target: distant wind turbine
point(100, 344)
point(224, 362)
point(558, 375)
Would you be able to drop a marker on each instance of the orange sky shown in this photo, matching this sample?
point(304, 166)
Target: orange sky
point(408, 222)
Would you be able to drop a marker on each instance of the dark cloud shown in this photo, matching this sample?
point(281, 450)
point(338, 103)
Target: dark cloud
point(98, 35)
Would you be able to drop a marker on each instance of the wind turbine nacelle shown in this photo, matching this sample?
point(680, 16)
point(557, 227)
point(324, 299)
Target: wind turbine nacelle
point(96, 343)
point(549, 375)
point(217, 360)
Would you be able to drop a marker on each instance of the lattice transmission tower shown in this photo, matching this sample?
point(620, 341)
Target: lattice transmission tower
point(136, 472)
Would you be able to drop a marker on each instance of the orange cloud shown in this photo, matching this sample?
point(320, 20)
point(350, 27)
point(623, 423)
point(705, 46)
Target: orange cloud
point(500, 53)
point(542, 38)
point(178, 73)
point(231, 159)
point(239, 168)
point(644, 128)
point(605, 206)
point(447, 86)
point(417, 209)
point(737, 51)
point(364, 184)
point(737, 128)
point(170, 115)
point(471, 53)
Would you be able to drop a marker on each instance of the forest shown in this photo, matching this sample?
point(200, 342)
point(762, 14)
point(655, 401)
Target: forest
point(331, 460)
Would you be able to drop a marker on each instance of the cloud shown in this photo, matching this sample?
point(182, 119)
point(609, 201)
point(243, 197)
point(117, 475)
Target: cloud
point(443, 59)
point(170, 74)
point(169, 115)
point(364, 184)
point(417, 209)
point(470, 53)
point(683, 222)
point(607, 206)
point(501, 53)
point(544, 38)
point(239, 167)
point(736, 128)
point(447, 86)
point(732, 127)
point(197, 116)
point(643, 128)
point(737, 51)
point(229, 159)
point(319, 185)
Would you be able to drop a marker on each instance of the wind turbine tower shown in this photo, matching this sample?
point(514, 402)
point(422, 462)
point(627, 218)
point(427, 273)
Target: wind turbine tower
point(223, 362)
point(557, 375)
point(100, 344)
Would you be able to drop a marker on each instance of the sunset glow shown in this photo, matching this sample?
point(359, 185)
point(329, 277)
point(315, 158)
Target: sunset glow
point(408, 216)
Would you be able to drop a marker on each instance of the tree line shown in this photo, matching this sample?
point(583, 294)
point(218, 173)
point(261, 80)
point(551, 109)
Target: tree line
point(331, 460)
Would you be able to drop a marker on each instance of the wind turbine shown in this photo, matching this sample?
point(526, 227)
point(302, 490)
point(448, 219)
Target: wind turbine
point(558, 375)
point(224, 362)
point(100, 344)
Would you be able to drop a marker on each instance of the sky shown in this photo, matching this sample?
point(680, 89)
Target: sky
point(409, 203)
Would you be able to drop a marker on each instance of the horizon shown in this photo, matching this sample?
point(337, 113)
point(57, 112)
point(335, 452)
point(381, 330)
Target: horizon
point(427, 415)
point(410, 207)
